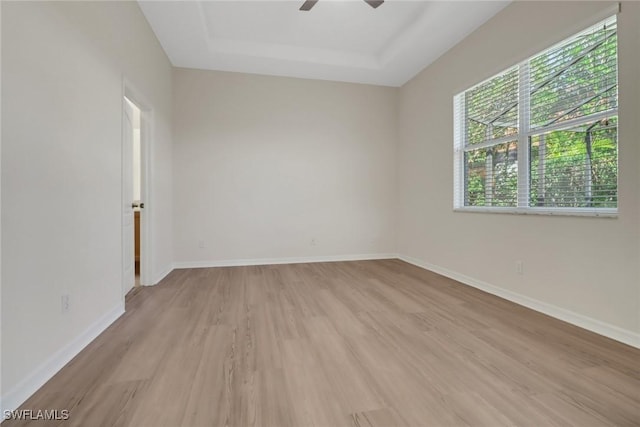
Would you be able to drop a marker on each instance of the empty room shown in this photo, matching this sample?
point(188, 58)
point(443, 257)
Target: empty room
point(320, 213)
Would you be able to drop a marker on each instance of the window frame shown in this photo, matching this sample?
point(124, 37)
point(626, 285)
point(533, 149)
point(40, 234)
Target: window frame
point(523, 141)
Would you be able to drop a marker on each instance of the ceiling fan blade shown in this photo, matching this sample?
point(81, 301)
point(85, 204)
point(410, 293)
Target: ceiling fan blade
point(374, 3)
point(307, 5)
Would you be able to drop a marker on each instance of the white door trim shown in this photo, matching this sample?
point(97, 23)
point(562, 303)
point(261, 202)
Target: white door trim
point(128, 215)
point(147, 119)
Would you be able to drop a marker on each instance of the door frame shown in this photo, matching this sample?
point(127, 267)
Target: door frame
point(130, 91)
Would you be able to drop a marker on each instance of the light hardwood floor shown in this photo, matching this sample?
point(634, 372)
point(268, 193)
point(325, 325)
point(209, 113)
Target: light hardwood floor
point(370, 343)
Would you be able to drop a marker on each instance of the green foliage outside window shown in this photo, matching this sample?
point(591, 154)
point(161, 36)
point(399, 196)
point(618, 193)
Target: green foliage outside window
point(570, 166)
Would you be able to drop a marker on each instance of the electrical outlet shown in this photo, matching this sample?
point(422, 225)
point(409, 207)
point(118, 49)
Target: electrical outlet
point(201, 244)
point(64, 300)
point(519, 267)
point(313, 242)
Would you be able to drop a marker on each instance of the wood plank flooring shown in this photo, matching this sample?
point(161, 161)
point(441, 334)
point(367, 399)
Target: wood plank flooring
point(368, 344)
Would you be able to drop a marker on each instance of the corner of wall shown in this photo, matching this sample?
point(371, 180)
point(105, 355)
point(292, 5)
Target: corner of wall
point(162, 274)
point(13, 398)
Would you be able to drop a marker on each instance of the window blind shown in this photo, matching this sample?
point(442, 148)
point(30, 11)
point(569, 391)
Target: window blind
point(573, 120)
point(543, 135)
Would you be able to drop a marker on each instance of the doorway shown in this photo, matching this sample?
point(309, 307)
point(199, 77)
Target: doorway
point(137, 204)
point(135, 192)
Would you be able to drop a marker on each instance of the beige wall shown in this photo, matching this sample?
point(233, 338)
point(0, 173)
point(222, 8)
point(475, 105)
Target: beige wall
point(263, 165)
point(62, 79)
point(586, 266)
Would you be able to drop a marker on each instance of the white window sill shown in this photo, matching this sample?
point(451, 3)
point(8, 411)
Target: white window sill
point(603, 213)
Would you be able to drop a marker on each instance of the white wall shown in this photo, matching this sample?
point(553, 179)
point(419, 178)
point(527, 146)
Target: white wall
point(263, 165)
point(63, 66)
point(585, 266)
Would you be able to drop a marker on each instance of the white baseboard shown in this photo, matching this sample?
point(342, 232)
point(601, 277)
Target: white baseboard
point(15, 397)
point(610, 331)
point(293, 260)
point(21, 392)
point(163, 274)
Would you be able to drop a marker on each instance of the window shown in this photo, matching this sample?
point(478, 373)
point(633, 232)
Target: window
point(541, 137)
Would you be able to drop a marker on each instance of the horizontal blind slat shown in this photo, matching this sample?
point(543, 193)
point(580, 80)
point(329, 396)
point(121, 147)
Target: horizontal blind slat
point(571, 95)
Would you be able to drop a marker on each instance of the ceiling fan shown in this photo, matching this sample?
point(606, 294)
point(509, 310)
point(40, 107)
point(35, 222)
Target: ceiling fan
point(307, 5)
